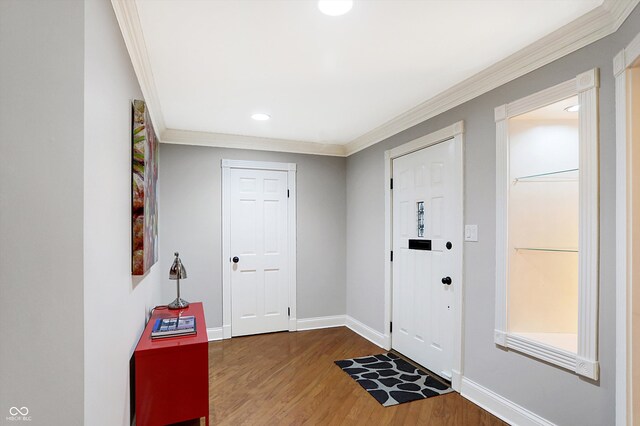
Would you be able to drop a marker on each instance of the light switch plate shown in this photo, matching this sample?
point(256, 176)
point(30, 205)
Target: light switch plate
point(471, 232)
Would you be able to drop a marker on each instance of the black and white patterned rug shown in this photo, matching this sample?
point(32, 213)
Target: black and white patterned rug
point(392, 380)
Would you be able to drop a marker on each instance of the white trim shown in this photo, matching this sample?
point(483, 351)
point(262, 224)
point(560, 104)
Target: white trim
point(500, 406)
point(226, 252)
point(226, 330)
point(456, 132)
point(290, 168)
point(541, 351)
point(388, 244)
point(623, 61)
point(589, 233)
point(126, 13)
point(291, 244)
point(321, 322)
point(221, 140)
point(258, 165)
point(544, 97)
point(632, 52)
point(351, 323)
point(502, 203)
point(623, 388)
point(456, 380)
point(585, 361)
point(596, 24)
point(427, 140)
point(374, 336)
point(214, 334)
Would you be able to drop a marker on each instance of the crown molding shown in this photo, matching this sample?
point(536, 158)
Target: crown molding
point(221, 140)
point(596, 24)
point(619, 10)
point(127, 15)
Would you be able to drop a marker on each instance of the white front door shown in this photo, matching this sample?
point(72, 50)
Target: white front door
point(425, 276)
point(258, 251)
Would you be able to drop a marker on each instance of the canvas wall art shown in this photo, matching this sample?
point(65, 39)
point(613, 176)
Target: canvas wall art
point(144, 183)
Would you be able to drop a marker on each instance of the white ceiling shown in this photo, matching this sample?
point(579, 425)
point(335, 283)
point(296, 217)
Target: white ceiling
point(321, 78)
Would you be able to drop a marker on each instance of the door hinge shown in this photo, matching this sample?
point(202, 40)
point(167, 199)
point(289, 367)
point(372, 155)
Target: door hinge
point(391, 327)
point(392, 255)
point(391, 184)
point(287, 193)
point(289, 312)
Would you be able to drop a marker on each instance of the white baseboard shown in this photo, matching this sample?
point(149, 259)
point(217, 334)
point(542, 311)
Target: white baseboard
point(214, 334)
point(303, 324)
point(320, 322)
point(226, 331)
point(456, 380)
point(499, 406)
point(363, 330)
point(369, 333)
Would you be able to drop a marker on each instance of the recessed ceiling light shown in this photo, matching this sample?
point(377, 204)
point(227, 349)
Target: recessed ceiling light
point(261, 116)
point(572, 108)
point(335, 7)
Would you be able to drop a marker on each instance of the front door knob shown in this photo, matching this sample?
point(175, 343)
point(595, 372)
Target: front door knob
point(446, 280)
point(235, 259)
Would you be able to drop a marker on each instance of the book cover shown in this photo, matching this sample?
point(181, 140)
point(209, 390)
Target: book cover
point(174, 326)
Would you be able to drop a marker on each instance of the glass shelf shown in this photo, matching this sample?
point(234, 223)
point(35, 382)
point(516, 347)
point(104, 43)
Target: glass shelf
point(557, 176)
point(555, 250)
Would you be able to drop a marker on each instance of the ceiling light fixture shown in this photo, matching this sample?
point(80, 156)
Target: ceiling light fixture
point(260, 116)
point(572, 108)
point(335, 7)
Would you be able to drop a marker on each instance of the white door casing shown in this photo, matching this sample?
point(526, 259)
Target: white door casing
point(258, 221)
point(429, 328)
point(626, 69)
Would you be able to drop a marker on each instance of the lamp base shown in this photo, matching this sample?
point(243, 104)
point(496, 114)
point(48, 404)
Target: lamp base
point(178, 304)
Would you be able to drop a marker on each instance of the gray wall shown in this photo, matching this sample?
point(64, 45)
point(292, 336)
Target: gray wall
point(560, 396)
point(65, 214)
point(41, 209)
point(115, 303)
point(190, 222)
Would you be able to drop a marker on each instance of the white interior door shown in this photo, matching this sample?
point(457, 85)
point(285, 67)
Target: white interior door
point(258, 251)
point(425, 276)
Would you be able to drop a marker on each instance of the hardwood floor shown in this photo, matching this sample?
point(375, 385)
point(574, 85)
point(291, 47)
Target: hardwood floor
point(290, 379)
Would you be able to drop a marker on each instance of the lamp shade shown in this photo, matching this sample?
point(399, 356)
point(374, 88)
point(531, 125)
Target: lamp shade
point(177, 270)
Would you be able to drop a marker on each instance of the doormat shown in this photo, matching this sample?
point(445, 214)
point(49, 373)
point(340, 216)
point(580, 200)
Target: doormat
point(392, 380)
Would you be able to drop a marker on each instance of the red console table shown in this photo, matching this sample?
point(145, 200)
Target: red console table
point(172, 374)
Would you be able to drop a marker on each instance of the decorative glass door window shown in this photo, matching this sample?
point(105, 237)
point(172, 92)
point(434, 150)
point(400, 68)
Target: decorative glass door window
point(547, 225)
point(420, 213)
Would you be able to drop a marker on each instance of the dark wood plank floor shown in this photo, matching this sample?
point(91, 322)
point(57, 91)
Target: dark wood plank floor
point(290, 379)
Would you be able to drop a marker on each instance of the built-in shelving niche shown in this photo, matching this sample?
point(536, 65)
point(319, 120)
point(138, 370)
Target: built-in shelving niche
point(547, 229)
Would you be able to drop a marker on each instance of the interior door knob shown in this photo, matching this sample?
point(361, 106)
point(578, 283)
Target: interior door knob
point(446, 280)
point(235, 259)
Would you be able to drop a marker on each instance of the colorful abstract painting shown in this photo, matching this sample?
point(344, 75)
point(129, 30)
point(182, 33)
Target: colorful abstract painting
point(144, 183)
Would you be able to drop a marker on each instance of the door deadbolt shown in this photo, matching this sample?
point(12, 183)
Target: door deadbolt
point(235, 259)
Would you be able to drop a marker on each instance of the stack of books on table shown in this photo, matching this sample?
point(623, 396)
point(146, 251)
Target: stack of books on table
point(174, 326)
